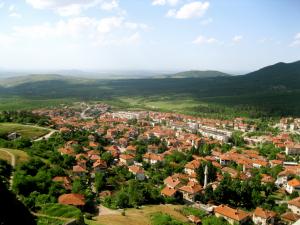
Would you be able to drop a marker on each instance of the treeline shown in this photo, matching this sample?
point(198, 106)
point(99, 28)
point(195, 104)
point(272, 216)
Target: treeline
point(23, 117)
point(12, 211)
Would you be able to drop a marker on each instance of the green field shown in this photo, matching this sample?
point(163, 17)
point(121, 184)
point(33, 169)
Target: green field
point(18, 103)
point(20, 156)
point(26, 131)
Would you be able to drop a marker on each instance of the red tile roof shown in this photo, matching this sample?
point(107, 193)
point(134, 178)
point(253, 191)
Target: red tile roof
point(295, 202)
point(235, 214)
point(167, 191)
point(263, 213)
point(72, 199)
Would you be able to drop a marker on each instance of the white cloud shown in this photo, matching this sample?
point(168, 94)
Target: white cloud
point(110, 5)
point(11, 8)
point(2, 4)
point(6, 40)
point(206, 21)
point(296, 41)
point(109, 30)
point(15, 15)
point(189, 10)
point(200, 40)
point(237, 38)
point(165, 2)
point(64, 7)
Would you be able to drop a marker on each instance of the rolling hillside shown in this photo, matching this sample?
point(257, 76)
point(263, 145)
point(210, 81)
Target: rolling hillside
point(274, 90)
point(195, 74)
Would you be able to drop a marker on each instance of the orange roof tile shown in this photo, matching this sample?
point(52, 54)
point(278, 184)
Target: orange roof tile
point(72, 199)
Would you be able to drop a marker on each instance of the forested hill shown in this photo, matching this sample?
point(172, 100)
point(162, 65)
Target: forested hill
point(275, 89)
point(195, 74)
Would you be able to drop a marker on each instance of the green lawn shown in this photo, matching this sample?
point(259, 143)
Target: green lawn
point(26, 131)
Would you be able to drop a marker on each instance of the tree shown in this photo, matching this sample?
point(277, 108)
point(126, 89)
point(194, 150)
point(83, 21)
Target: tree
point(237, 139)
point(212, 172)
point(5, 171)
point(212, 220)
point(99, 181)
point(13, 211)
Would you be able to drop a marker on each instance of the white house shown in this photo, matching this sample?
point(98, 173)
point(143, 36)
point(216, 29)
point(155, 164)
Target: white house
point(293, 185)
point(263, 217)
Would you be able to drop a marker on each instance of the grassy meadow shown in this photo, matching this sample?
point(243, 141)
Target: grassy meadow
point(143, 216)
point(20, 156)
point(26, 131)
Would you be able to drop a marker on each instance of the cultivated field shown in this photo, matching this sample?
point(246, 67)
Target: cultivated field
point(138, 216)
point(26, 131)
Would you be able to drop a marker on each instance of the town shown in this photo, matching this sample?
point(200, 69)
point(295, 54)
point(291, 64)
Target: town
point(235, 171)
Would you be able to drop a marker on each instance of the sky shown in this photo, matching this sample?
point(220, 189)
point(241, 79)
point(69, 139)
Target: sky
point(156, 35)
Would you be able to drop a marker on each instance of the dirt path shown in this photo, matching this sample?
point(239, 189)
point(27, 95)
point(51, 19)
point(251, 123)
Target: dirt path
point(106, 211)
point(13, 163)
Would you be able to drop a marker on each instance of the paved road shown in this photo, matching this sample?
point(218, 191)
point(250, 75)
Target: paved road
point(47, 136)
point(13, 163)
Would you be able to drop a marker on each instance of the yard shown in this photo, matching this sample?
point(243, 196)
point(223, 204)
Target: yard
point(137, 216)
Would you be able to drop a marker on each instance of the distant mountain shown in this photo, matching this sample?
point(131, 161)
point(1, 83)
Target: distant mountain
point(273, 89)
point(18, 80)
point(195, 74)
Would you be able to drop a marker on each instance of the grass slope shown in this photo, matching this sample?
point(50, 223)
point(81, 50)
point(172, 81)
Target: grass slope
point(26, 131)
point(20, 156)
point(143, 215)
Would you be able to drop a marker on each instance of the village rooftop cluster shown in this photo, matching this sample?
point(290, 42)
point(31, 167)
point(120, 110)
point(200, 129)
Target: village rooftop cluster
point(181, 133)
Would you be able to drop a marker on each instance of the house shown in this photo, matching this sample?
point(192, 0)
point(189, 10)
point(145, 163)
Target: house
point(126, 159)
point(190, 191)
point(293, 185)
point(66, 181)
point(290, 218)
point(194, 219)
point(152, 158)
point(137, 171)
point(168, 191)
point(152, 149)
point(292, 149)
point(77, 200)
point(79, 170)
point(13, 136)
point(131, 149)
point(265, 179)
point(99, 165)
point(263, 217)
point(191, 167)
point(172, 182)
point(66, 151)
point(232, 215)
point(294, 205)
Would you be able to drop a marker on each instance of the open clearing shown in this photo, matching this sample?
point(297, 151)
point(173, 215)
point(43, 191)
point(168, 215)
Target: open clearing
point(20, 156)
point(26, 131)
point(138, 216)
